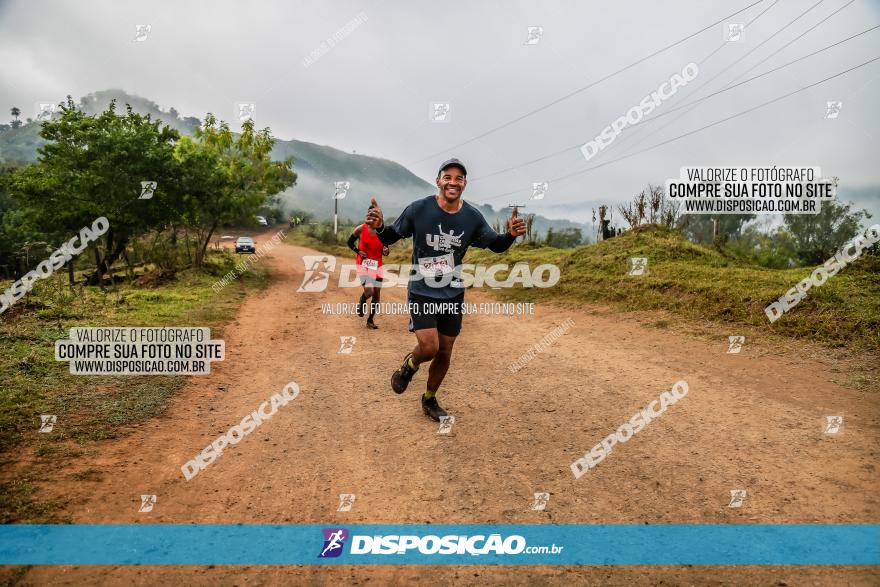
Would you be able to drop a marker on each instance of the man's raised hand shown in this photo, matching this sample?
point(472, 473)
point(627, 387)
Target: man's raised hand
point(516, 225)
point(374, 215)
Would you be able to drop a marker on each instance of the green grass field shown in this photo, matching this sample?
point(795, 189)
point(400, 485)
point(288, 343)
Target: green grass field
point(691, 281)
point(94, 408)
point(701, 283)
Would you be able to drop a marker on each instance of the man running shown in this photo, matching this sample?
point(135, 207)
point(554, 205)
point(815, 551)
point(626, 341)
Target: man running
point(369, 252)
point(443, 226)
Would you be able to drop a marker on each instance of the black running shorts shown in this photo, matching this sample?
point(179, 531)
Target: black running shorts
point(444, 315)
point(368, 280)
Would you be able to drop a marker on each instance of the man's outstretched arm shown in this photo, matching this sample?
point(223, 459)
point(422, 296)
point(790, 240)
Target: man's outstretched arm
point(501, 242)
point(498, 243)
point(389, 235)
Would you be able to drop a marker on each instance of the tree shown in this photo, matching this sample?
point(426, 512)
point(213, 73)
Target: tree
point(699, 227)
point(530, 222)
point(565, 238)
point(16, 112)
point(228, 176)
point(606, 229)
point(652, 206)
point(93, 166)
point(818, 236)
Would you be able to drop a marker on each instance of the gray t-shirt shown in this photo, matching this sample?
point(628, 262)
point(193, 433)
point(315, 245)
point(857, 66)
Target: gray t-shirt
point(440, 240)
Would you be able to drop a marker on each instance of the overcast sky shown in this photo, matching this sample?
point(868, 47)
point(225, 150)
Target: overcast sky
point(372, 91)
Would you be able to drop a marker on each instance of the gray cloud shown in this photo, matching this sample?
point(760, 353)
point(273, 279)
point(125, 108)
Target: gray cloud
point(371, 91)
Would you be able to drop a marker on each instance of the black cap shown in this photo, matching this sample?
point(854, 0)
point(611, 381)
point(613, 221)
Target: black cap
point(452, 163)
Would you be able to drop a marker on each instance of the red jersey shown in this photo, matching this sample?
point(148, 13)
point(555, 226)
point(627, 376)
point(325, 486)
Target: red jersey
point(370, 244)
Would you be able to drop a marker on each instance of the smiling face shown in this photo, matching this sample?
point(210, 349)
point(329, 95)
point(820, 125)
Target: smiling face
point(451, 183)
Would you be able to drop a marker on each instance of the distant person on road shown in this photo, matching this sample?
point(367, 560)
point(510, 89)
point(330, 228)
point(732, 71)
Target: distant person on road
point(369, 250)
point(442, 226)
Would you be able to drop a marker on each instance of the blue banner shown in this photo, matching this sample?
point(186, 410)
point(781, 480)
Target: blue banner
point(519, 544)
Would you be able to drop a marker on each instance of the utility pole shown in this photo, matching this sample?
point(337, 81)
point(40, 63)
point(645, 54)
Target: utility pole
point(342, 188)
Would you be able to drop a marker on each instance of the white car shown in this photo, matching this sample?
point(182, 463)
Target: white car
point(245, 244)
point(262, 221)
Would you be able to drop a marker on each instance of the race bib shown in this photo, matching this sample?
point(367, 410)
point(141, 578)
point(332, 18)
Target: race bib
point(370, 263)
point(432, 266)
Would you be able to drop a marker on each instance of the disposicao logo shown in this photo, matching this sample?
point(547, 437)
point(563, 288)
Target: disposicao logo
point(334, 540)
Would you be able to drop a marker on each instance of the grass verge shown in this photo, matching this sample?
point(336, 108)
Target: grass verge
point(91, 408)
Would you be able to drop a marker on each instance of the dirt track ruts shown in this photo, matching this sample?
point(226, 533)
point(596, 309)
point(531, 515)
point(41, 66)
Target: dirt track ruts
point(750, 421)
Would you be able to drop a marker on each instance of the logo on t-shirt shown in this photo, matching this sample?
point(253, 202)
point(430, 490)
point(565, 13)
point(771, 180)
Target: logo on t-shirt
point(444, 241)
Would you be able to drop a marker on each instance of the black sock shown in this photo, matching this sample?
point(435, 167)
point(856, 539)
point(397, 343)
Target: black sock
point(361, 304)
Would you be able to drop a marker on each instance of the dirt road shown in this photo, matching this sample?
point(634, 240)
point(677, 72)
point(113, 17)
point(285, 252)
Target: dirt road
point(750, 421)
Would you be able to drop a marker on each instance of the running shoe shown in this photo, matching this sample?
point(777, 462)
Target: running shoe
point(432, 409)
point(403, 376)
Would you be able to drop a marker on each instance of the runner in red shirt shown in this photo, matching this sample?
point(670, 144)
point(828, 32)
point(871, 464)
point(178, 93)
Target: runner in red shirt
point(370, 251)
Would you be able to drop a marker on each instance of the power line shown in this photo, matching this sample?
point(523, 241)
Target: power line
point(701, 62)
point(769, 71)
point(590, 85)
point(720, 73)
point(803, 34)
point(691, 103)
point(702, 128)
